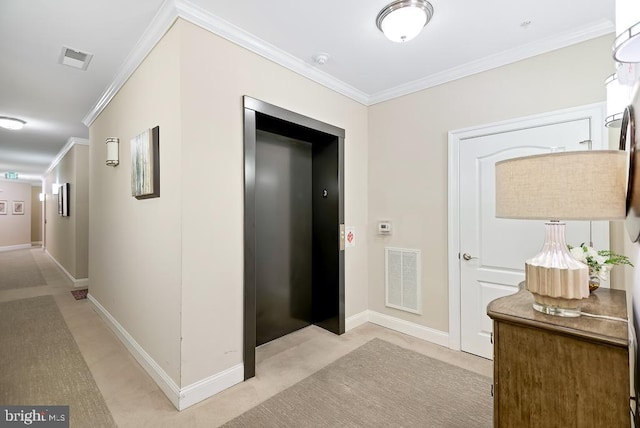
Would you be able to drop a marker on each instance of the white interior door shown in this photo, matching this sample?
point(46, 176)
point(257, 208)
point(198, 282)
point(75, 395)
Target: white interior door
point(499, 247)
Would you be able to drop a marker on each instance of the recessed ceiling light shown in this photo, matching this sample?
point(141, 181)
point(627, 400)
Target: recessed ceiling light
point(11, 123)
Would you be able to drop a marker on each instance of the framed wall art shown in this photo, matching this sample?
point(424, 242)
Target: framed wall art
point(3, 207)
point(145, 164)
point(18, 208)
point(63, 200)
point(64, 191)
point(59, 195)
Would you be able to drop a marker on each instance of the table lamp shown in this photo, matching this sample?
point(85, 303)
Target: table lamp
point(584, 185)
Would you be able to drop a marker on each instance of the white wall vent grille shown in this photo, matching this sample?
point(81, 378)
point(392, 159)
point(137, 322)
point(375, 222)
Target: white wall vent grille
point(402, 279)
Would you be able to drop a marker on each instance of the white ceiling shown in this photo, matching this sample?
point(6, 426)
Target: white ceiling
point(464, 36)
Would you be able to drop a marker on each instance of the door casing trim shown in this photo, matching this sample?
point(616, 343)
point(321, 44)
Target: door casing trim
point(251, 107)
point(594, 112)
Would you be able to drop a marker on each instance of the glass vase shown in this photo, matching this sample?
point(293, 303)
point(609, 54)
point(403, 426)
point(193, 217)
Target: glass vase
point(594, 281)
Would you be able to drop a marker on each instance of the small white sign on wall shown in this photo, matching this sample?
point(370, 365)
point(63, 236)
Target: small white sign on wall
point(350, 236)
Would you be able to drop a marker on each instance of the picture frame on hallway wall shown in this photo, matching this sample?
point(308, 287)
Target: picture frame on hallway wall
point(64, 194)
point(18, 208)
point(3, 207)
point(145, 164)
point(59, 196)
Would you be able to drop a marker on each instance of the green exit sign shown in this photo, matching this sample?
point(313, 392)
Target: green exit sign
point(11, 175)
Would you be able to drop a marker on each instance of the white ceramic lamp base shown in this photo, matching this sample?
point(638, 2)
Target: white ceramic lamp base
point(557, 281)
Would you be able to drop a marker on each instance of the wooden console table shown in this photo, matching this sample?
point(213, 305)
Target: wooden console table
point(553, 371)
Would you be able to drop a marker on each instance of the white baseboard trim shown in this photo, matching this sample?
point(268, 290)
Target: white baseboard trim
point(16, 247)
point(82, 282)
point(205, 388)
point(181, 398)
point(412, 329)
point(166, 384)
point(356, 320)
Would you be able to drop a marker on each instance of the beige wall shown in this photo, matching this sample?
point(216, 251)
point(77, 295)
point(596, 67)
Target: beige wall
point(408, 154)
point(215, 76)
point(15, 229)
point(170, 270)
point(621, 276)
point(136, 245)
point(66, 238)
point(36, 214)
point(80, 210)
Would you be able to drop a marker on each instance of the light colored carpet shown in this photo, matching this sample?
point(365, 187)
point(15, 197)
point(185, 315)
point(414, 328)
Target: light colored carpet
point(40, 363)
point(18, 269)
point(379, 385)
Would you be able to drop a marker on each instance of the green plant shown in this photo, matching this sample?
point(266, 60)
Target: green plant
point(600, 262)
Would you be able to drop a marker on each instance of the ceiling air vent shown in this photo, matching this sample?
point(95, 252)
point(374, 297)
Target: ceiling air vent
point(74, 58)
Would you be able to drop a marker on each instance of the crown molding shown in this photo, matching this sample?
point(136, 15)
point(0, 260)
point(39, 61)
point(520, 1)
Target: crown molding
point(208, 21)
point(160, 24)
point(172, 9)
point(164, 19)
point(494, 61)
point(70, 143)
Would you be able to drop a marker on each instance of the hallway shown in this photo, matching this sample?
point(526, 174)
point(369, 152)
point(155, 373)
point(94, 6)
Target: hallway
point(135, 400)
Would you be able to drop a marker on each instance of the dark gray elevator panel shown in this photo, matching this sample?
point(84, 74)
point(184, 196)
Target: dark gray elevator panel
point(286, 245)
point(326, 264)
point(283, 235)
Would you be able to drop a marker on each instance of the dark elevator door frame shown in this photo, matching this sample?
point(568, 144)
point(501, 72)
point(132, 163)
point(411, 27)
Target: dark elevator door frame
point(255, 112)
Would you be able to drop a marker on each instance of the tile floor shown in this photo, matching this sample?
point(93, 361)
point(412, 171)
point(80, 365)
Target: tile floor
point(136, 401)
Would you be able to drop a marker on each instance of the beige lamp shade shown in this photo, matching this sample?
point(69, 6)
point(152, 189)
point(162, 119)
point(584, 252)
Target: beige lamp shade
point(584, 185)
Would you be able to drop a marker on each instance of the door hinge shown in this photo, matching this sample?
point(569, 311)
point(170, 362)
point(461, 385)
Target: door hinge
point(341, 237)
point(491, 338)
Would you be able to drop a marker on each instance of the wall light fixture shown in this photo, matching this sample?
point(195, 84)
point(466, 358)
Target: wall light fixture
point(112, 151)
point(626, 47)
point(618, 96)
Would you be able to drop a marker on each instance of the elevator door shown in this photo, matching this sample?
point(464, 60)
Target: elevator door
point(283, 235)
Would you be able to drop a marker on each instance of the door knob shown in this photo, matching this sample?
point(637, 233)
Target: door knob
point(468, 257)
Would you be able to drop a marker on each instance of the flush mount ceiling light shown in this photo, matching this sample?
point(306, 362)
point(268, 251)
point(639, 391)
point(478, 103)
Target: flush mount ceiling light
point(403, 20)
point(11, 123)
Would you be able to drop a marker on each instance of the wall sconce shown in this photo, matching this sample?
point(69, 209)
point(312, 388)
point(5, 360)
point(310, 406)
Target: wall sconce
point(55, 187)
point(41, 197)
point(112, 151)
point(626, 47)
point(618, 96)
